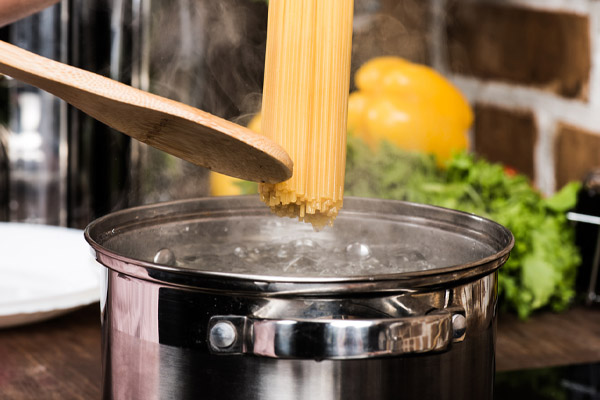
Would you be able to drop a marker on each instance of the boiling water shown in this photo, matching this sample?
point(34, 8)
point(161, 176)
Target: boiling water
point(276, 247)
point(306, 257)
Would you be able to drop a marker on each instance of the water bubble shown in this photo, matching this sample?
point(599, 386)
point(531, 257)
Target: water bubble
point(409, 256)
point(273, 223)
point(300, 264)
point(164, 257)
point(290, 264)
point(305, 255)
point(190, 259)
point(423, 265)
point(253, 255)
point(304, 244)
point(283, 252)
point(368, 265)
point(358, 250)
point(240, 252)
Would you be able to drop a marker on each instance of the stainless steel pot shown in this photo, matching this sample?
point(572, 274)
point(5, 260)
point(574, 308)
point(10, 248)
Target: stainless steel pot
point(182, 317)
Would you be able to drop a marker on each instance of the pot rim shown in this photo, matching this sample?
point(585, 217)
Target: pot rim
point(292, 285)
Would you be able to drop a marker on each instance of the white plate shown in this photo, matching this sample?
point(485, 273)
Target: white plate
point(45, 271)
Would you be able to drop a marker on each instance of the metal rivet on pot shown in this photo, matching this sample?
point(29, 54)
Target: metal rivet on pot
point(222, 335)
point(459, 327)
point(164, 257)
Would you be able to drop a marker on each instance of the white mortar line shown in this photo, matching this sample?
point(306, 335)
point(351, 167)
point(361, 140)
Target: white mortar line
point(438, 48)
point(572, 6)
point(505, 95)
point(594, 84)
point(545, 176)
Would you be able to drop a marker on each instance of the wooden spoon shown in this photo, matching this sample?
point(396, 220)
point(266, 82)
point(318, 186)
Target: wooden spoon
point(173, 127)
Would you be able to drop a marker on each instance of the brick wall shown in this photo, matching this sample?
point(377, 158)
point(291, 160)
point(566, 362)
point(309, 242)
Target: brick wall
point(530, 69)
point(390, 27)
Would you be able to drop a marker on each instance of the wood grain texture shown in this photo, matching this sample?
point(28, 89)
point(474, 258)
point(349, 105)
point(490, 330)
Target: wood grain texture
point(56, 359)
point(548, 339)
point(176, 128)
point(60, 358)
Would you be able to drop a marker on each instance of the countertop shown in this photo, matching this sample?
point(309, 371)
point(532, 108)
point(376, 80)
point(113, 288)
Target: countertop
point(60, 358)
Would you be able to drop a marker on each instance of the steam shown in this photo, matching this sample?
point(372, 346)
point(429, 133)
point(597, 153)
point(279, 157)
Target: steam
point(210, 54)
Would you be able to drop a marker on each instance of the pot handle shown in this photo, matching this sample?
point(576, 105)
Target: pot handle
point(335, 339)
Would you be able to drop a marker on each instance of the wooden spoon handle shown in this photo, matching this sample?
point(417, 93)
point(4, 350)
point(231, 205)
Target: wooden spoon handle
point(178, 129)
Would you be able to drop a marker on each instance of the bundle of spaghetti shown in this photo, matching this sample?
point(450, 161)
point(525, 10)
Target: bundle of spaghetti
point(305, 98)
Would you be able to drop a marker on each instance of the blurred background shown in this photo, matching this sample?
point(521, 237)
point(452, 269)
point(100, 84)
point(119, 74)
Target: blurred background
point(521, 75)
point(525, 66)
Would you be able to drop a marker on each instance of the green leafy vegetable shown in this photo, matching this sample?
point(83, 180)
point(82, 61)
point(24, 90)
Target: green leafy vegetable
point(542, 267)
